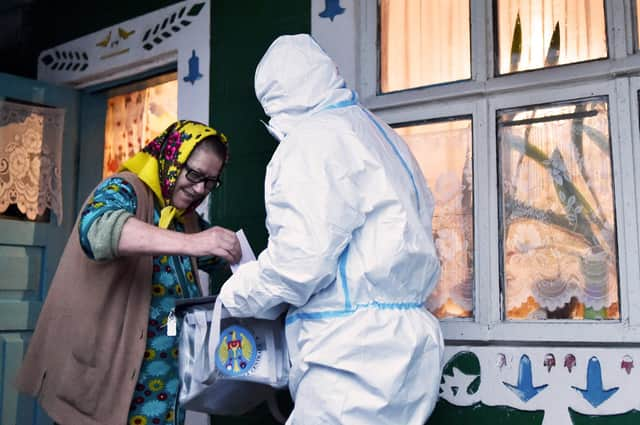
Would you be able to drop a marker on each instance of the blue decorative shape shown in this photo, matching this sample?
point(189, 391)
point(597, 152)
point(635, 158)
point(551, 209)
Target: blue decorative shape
point(332, 8)
point(594, 393)
point(525, 389)
point(194, 69)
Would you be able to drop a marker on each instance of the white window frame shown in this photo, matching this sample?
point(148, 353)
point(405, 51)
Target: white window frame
point(481, 97)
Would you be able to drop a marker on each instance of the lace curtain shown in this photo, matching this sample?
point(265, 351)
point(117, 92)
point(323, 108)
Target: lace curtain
point(134, 118)
point(30, 159)
point(560, 257)
point(443, 151)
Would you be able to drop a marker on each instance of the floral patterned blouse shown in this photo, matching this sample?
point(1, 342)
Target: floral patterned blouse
point(155, 399)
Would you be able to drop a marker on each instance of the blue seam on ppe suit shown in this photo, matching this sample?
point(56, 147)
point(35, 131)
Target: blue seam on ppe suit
point(395, 149)
point(348, 307)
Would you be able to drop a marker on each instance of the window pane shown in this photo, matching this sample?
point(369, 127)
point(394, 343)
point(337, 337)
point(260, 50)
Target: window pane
point(637, 14)
point(539, 34)
point(134, 118)
point(444, 152)
point(558, 219)
point(423, 42)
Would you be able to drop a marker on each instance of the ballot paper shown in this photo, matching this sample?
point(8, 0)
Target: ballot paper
point(247, 252)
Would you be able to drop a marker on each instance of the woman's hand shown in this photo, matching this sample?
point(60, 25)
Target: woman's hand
point(140, 238)
point(216, 241)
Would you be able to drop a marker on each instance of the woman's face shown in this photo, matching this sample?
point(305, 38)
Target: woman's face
point(207, 164)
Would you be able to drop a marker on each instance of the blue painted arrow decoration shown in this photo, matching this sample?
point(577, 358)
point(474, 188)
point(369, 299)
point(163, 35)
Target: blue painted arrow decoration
point(525, 389)
point(594, 393)
point(332, 8)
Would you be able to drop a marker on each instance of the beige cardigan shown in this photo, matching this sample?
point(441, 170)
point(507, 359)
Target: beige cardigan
point(84, 357)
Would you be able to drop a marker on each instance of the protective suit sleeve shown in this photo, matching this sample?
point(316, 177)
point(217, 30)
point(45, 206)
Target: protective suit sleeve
point(312, 203)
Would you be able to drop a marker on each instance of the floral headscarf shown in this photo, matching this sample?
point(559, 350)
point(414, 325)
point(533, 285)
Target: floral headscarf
point(161, 160)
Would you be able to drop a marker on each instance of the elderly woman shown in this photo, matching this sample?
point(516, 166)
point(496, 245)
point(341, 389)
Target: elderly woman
point(104, 350)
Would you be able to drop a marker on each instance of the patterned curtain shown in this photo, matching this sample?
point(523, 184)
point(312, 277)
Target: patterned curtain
point(134, 118)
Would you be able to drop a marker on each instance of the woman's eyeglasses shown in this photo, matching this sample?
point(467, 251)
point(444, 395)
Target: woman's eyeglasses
point(194, 176)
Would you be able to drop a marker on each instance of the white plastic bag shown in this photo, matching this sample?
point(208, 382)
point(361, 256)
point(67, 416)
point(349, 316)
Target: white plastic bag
point(228, 365)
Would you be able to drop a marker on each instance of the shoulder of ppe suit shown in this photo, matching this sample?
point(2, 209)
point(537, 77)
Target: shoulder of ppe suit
point(326, 129)
point(325, 144)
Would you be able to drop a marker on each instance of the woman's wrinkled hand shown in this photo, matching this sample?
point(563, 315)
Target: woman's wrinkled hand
point(217, 241)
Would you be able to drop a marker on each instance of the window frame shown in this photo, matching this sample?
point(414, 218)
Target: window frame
point(622, 58)
point(481, 98)
point(619, 151)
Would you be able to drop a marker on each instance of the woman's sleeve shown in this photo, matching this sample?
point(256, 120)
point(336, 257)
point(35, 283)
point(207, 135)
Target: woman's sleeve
point(103, 218)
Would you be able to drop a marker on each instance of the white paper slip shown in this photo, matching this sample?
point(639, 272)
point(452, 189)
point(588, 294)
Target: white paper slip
point(247, 252)
point(171, 324)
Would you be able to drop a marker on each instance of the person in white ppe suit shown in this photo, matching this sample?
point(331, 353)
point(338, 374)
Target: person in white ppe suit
point(350, 250)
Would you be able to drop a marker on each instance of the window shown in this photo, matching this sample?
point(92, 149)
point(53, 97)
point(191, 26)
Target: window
point(417, 38)
point(534, 174)
point(558, 242)
point(136, 114)
point(444, 152)
point(637, 24)
point(537, 34)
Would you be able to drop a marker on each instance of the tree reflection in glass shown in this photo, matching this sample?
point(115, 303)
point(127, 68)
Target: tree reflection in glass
point(559, 258)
